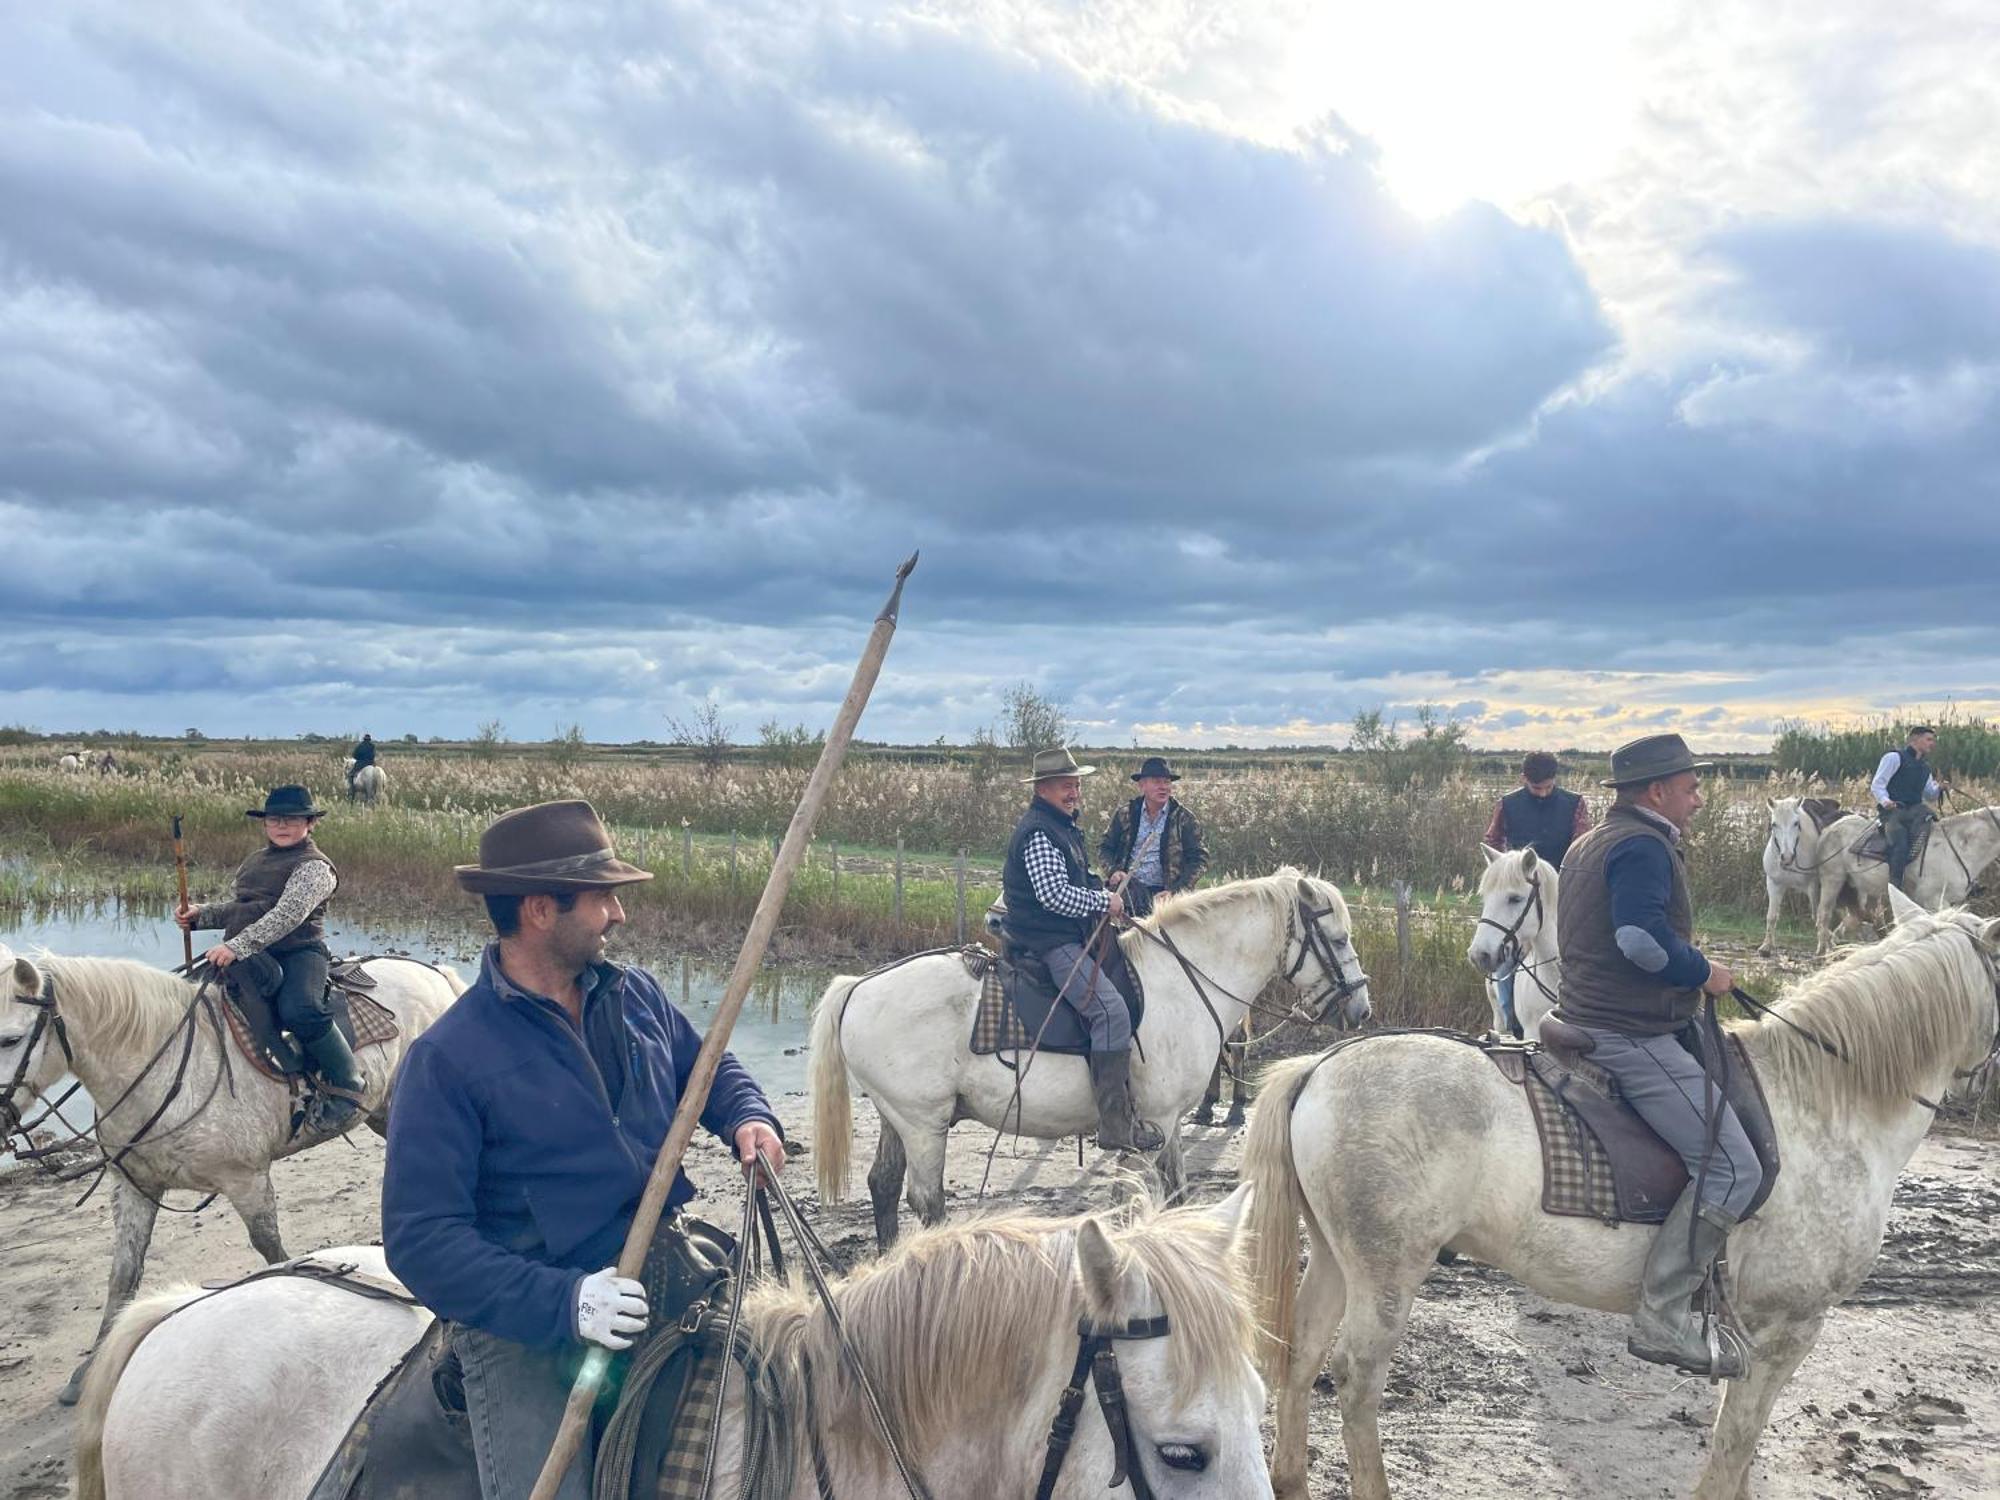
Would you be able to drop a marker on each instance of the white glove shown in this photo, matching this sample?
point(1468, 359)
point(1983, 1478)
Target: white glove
point(610, 1308)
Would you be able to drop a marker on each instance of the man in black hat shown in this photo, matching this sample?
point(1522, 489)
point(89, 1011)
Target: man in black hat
point(1903, 789)
point(274, 937)
point(1054, 908)
point(1633, 979)
point(1154, 842)
point(363, 754)
point(1536, 815)
point(524, 1127)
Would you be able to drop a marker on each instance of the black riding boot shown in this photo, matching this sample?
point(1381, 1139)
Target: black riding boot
point(342, 1085)
point(1119, 1127)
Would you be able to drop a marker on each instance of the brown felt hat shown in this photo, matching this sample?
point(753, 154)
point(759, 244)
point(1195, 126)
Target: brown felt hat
point(1654, 758)
point(551, 847)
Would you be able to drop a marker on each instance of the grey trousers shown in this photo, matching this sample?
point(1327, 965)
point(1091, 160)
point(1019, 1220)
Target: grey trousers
point(514, 1399)
point(1101, 1006)
point(1665, 1085)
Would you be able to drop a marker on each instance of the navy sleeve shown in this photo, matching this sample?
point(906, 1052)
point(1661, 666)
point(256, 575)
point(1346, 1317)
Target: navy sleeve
point(1639, 874)
point(428, 1233)
point(735, 1100)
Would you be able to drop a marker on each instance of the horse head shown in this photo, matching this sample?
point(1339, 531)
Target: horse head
point(1516, 895)
point(32, 1046)
point(1326, 968)
point(1789, 825)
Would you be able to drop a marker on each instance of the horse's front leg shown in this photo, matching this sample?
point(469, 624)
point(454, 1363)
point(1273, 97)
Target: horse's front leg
point(1239, 1089)
point(257, 1206)
point(1746, 1407)
point(885, 1183)
point(132, 1217)
point(1173, 1167)
point(1823, 909)
point(1774, 905)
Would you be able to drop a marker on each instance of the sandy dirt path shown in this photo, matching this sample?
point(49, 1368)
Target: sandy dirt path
point(1496, 1391)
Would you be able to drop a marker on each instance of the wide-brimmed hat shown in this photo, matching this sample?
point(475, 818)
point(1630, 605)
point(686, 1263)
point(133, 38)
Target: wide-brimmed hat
point(1653, 758)
point(1057, 762)
point(1155, 765)
point(553, 847)
point(286, 802)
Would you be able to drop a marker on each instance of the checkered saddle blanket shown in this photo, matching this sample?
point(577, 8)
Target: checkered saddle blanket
point(359, 1016)
point(1599, 1159)
point(1874, 844)
point(1018, 1011)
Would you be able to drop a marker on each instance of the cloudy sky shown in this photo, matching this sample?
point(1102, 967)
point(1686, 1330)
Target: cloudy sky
point(1579, 367)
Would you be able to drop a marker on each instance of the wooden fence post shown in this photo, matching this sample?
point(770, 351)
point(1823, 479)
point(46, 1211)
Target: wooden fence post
point(1402, 889)
point(961, 897)
point(732, 859)
point(899, 881)
point(687, 850)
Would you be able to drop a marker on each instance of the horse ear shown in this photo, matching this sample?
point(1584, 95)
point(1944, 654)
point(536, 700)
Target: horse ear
point(27, 978)
point(1989, 934)
point(1489, 852)
point(1772, 803)
point(1234, 1211)
point(1529, 859)
point(1902, 908)
point(1097, 1262)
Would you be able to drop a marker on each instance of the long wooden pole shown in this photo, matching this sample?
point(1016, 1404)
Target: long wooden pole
point(590, 1379)
point(181, 885)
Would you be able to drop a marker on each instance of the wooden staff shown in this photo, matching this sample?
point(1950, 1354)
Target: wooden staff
point(666, 1167)
point(181, 885)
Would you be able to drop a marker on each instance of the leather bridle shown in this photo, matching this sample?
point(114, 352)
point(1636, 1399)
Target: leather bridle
point(1510, 934)
point(1314, 942)
point(47, 1019)
point(1097, 1365)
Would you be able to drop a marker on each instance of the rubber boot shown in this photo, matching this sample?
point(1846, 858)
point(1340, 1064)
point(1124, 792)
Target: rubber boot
point(342, 1085)
point(1666, 1329)
point(1119, 1127)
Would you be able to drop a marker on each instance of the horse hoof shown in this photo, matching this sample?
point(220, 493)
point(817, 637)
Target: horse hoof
point(1202, 1116)
point(1234, 1118)
point(70, 1394)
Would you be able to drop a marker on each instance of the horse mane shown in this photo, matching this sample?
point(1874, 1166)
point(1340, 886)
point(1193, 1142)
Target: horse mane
point(1894, 1009)
point(1194, 909)
point(131, 1005)
point(1511, 861)
point(956, 1320)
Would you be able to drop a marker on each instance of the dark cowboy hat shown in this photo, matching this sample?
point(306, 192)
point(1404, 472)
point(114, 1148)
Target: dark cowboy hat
point(1156, 765)
point(553, 847)
point(1654, 758)
point(1057, 762)
point(286, 802)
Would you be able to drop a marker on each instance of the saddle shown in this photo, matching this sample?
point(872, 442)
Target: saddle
point(363, 1020)
point(412, 1440)
point(1874, 845)
point(1018, 1003)
point(1824, 811)
point(1599, 1159)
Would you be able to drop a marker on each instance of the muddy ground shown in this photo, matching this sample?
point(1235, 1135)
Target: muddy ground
point(1496, 1391)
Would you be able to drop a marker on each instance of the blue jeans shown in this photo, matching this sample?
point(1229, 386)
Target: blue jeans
point(1504, 988)
point(1103, 1009)
point(1666, 1086)
point(514, 1399)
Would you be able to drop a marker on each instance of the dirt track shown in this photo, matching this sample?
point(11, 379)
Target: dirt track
point(1496, 1391)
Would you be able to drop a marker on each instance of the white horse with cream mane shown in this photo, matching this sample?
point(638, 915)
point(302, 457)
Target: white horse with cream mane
point(1396, 1147)
point(121, 1028)
point(1792, 860)
point(1960, 848)
point(366, 785)
point(904, 1034)
point(1516, 936)
point(969, 1334)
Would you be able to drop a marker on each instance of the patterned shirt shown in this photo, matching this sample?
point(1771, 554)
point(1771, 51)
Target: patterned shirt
point(1048, 873)
point(1146, 846)
point(310, 884)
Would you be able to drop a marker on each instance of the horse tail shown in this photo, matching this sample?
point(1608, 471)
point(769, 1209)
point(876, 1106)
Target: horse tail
point(833, 1109)
point(114, 1352)
point(1275, 1207)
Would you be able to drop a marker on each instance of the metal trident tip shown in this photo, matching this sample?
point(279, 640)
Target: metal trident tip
point(896, 594)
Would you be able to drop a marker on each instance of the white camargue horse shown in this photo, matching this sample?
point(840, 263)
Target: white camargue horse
point(1961, 847)
point(1792, 858)
point(905, 1036)
point(1517, 935)
point(1397, 1147)
point(120, 1027)
point(70, 762)
point(368, 785)
point(969, 1334)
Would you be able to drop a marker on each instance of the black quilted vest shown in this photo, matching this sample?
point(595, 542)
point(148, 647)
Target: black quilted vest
point(1906, 785)
point(1541, 822)
point(1030, 924)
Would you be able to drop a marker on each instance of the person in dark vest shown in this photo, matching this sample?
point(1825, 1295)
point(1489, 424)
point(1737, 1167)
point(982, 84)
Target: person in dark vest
point(1153, 843)
point(274, 940)
point(524, 1128)
point(1904, 787)
point(363, 754)
point(1054, 906)
point(1540, 815)
point(1633, 979)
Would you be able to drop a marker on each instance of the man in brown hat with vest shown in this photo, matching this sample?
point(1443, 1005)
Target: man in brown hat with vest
point(1054, 906)
point(274, 944)
point(1633, 979)
point(524, 1126)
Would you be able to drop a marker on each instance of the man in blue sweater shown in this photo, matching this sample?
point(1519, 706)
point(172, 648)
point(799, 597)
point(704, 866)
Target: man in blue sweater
point(523, 1129)
point(1633, 979)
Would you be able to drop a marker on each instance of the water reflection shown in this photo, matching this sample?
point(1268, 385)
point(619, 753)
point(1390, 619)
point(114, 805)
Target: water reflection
point(770, 1034)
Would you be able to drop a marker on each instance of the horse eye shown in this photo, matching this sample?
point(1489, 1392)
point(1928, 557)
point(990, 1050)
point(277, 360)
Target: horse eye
point(1515, 900)
point(1191, 1458)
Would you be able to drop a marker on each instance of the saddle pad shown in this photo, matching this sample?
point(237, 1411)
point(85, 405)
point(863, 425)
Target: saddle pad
point(1824, 811)
point(1014, 1010)
point(362, 1019)
point(1599, 1159)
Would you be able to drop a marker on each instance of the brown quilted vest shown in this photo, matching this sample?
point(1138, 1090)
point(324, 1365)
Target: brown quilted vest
point(260, 881)
point(1600, 985)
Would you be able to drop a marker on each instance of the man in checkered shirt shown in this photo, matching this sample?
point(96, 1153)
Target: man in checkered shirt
point(1054, 905)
